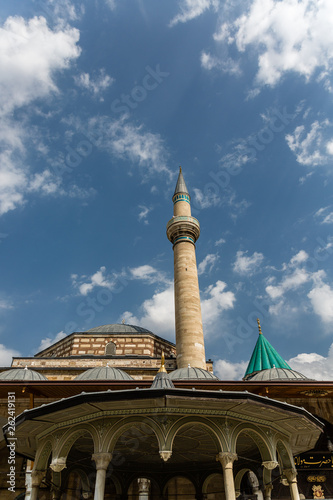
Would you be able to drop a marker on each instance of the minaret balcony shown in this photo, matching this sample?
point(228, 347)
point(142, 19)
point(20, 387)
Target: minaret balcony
point(183, 228)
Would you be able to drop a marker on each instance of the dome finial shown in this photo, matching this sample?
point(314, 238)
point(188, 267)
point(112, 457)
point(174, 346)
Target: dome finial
point(180, 169)
point(162, 367)
point(259, 327)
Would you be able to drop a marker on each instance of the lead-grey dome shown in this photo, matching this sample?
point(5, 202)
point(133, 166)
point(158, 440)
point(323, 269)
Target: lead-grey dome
point(277, 374)
point(21, 374)
point(118, 328)
point(162, 381)
point(190, 373)
point(104, 373)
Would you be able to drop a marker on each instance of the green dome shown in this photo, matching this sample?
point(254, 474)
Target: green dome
point(21, 374)
point(264, 357)
point(282, 374)
point(190, 373)
point(104, 373)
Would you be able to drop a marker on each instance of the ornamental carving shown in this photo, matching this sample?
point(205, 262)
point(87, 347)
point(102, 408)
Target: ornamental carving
point(226, 459)
point(102, 460)
point(165, 455)
point(270, 464)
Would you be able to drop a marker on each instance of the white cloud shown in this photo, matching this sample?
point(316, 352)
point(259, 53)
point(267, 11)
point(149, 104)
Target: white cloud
point(31, 55)
point(215, 301)
point(147, 273)
point(288, 36)
point(156, 313)
point(295, 277)
point(207, 200)
point(321, 297)
point(310, 147)
point(190, 9)
point(98, 279)
point(225, 370)
point(325, 214)
point(126, 141)
point(6, 355)
point(219, 242)
point(5, 304)
point(143, 214)
point(313, 365)
point(226, 64)
point(247, 265)
point(13, 181)
point(94, 85)
point(48, 341)
point(207, 264)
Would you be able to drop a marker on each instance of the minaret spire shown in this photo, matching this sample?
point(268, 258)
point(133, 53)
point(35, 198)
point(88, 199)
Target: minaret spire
point(183, 230)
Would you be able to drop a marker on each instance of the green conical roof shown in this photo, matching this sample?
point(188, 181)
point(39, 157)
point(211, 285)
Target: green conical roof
point(264, 357)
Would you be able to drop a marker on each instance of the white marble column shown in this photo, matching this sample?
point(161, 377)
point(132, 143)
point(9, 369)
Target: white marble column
point(144, 486)
point(102, 461)
point(291, 478)
point(36, 478)
point(227, 459)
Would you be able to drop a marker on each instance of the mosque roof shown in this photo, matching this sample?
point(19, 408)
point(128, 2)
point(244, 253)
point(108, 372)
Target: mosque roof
point(118, 328)
point(104, 373)
point(191, 373)
point(180, 186)
point(21, 374)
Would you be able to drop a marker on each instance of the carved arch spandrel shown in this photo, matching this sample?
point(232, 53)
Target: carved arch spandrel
point(44, 450)
point(213, 430)
point(261, 437)
point(63, 442)
point(115, 432)
point(285, 455)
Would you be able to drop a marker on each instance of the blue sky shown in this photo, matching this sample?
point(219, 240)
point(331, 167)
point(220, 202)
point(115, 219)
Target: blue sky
point(100, 103)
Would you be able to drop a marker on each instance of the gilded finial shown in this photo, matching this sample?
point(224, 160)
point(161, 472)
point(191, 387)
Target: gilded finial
point(162, 368)
point(259, 327)
point(180, 170)
point(122, 321)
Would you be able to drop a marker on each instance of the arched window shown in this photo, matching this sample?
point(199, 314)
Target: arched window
point(110, 349)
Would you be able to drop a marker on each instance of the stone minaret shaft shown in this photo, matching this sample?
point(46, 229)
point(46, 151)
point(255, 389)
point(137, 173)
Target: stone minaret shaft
point(183, 230)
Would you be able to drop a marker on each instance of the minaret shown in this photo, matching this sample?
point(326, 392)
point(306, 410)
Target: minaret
point(183, 230)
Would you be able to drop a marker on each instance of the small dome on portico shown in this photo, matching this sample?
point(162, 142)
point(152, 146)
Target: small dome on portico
point(104, 373)
point(274, 373)
point(21, 374)
point(192, 373)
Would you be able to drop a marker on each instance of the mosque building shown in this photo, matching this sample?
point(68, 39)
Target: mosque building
point(117, 412)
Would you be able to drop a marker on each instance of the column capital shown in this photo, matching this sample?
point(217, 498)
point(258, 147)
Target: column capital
point(58, 464)
point(226, 458)
point(144, 484)
point(270, 464)
point(165, 455)
point(102, 460)
point(36, 477)
point(290, 474)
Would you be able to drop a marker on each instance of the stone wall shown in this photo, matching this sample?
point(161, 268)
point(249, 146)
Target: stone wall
point(78, 344)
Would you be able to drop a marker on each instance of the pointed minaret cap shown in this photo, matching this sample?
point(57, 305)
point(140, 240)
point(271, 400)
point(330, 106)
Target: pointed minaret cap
point(180, 186)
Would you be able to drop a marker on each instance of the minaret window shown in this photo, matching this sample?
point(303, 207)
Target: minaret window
point(110, 349)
